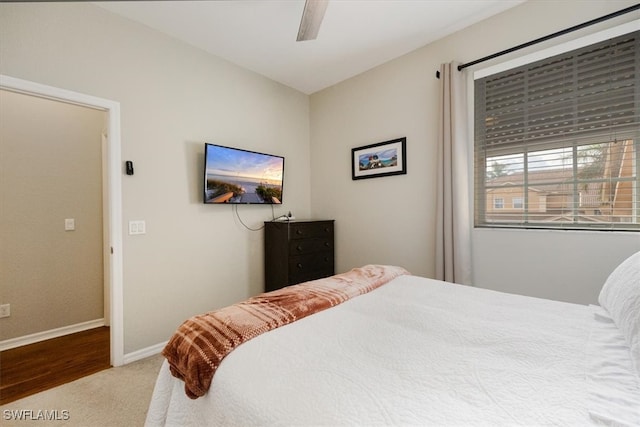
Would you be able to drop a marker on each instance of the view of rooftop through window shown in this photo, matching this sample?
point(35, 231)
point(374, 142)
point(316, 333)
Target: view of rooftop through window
point(585, 184)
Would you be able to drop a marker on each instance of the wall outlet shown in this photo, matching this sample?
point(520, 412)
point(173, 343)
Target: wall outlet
point(5, 310)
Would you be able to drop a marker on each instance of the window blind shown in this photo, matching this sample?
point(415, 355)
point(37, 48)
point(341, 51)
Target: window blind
point(557, 140)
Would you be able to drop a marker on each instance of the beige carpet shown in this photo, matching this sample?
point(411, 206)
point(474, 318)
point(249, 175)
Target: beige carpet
point(113, 397)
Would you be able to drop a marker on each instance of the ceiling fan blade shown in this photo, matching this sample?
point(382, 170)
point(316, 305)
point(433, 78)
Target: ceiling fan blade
point(311, 19)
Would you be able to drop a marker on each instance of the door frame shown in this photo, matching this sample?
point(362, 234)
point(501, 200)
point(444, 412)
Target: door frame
point(113, 194)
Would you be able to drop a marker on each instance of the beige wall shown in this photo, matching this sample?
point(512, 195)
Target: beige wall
point(51, 163)
point(392, 220)
point(173, 98)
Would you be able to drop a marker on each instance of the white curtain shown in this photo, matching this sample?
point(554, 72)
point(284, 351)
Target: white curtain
point(453, 221)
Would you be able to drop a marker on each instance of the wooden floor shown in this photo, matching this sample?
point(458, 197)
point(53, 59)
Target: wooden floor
point(37, 367)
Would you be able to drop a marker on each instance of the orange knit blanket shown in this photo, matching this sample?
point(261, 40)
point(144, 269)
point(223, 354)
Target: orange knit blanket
point(198, 346)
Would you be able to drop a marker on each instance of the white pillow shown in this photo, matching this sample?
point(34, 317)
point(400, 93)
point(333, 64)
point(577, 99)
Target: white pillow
point(620, 296)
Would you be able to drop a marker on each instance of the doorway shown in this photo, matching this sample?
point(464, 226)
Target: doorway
point(111, 198)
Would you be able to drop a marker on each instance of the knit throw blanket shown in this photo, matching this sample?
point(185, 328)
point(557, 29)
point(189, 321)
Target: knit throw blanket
point(198, 346)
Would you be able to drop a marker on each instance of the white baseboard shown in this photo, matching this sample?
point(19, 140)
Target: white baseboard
point(53, 333)
point(144, 352)
point(79, 327)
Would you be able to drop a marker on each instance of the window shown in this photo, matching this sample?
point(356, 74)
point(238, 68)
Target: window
point(560, 138)
point(517, 202)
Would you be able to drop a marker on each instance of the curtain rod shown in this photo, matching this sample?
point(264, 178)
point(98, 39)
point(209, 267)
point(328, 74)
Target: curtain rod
point(548, 37)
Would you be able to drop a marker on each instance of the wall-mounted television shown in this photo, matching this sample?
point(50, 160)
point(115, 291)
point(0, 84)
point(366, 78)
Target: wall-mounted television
point(233, 175)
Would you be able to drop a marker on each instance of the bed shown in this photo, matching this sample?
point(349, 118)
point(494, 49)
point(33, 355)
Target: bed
point(417, 351)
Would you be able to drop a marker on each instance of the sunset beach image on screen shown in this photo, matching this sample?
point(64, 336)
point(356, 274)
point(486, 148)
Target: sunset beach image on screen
point(233, 175)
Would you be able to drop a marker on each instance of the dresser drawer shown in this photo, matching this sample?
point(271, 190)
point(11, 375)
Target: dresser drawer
point(309, 267)
point(311, 230)
point(309, 246)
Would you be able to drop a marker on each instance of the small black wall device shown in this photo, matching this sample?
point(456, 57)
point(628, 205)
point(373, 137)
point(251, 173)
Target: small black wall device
point(129, 167)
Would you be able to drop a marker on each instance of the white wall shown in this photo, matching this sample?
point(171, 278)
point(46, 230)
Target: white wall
point(173, 98)
point(386, 220)
point(392, 220)
point(562, 265)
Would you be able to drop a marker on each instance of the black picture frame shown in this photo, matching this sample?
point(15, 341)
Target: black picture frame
point(380, 159)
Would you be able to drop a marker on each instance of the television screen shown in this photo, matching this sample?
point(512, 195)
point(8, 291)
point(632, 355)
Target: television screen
point(232, 175)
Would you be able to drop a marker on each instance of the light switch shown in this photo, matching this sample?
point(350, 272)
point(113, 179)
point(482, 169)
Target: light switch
point(69, 224)
point(137, 227)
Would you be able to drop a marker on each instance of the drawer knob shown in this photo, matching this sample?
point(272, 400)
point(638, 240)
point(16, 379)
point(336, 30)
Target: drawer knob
point(327, 244)
point(298, 231)
point(299, 265)
point(299, 248)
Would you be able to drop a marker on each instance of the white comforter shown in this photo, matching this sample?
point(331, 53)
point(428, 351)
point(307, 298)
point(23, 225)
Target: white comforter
point(420, 352)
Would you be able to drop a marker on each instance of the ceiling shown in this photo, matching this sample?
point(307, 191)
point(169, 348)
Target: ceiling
point(355, 35)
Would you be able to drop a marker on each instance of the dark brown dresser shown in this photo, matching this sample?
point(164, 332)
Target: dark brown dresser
point(297, 251)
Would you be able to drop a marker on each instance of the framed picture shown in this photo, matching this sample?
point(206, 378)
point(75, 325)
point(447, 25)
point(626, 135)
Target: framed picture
point(381, 159)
